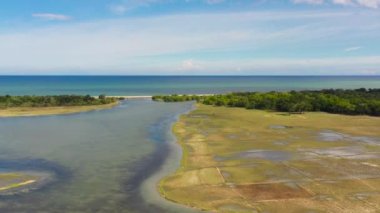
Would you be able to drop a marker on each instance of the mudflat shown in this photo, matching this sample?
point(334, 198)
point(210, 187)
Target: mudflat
point(238, 160)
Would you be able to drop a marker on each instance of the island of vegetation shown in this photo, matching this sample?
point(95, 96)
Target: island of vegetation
point(50, 105)
point(351, 102)
point(238, 160)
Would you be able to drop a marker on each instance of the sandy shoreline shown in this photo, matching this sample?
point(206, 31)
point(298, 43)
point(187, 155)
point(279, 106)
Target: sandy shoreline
point(131, 96)
point(39, 111)
point(150, 189)
point(150, 96)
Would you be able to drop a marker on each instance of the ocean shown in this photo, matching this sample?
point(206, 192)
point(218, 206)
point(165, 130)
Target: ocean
point(157, 85)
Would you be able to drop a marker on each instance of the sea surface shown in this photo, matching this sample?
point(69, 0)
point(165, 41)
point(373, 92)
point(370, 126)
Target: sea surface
point(155, 85)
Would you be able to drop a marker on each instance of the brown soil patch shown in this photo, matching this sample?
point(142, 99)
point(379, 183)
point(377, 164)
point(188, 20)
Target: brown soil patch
point(273, 191)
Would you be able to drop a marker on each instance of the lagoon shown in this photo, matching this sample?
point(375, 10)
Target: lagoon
point(101, 158)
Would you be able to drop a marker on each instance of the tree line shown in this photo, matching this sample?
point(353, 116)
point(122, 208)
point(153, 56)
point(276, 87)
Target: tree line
point(352, 102)
point(53, 100)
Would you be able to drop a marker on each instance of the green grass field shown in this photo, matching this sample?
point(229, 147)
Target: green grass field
point(238, 160)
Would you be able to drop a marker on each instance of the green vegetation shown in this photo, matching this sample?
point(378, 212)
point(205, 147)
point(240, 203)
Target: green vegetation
point(8, 101)
point(235, 160)
point(352, 102)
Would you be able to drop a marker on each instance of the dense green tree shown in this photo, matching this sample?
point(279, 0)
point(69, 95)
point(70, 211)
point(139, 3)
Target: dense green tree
point(58, 100)
point(353, 102)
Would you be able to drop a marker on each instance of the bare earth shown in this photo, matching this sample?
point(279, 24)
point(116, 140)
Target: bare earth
point(36, 111)
point(237, 160)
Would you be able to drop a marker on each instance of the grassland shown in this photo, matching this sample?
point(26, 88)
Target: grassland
point(37, 111)
point(238, 160)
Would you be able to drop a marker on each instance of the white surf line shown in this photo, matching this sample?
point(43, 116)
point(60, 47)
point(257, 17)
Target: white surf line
point(149, 96)
point(132, 96)
point(127, 96)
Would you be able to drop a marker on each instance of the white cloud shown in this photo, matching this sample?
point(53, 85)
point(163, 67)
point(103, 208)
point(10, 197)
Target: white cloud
point(127, 5)
point(165, 45)
point(315, 2)
point(118, 9)
point(287, 66)
point(51, 16)
point(370, 72)
point(343, 2)
point(190, 65)
point(350, 49)
point(375, 4)
point(214, 1)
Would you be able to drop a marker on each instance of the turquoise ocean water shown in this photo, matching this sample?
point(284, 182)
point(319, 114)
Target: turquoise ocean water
point(151, 85)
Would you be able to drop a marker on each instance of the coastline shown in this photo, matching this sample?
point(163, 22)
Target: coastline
point(176, 156)
point(131, 96)
point(151, 96)
point(62, 110)
point(40, 111)
point(150, 188)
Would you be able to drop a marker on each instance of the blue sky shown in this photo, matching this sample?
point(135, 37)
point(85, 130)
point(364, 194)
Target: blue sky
point(191, 37)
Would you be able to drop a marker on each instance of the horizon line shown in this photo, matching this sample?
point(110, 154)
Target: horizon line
point(119, 75)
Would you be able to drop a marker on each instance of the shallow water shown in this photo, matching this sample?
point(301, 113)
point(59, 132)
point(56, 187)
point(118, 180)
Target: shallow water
point(102, 158)
point(271, 155)
point(331, 136)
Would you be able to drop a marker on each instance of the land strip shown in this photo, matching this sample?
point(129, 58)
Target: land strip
point(38, 111)
point(15, 106)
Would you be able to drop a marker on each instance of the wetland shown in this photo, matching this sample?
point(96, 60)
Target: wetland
point(238, 160)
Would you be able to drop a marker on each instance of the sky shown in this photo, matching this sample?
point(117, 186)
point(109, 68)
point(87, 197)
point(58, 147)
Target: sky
point(190, 37)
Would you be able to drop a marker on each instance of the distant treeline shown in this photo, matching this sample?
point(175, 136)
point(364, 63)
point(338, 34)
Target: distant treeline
point(51, 101)
point(352, 102)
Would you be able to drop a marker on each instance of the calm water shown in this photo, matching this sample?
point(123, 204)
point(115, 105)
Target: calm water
point(138, 85)
point(103, 157)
